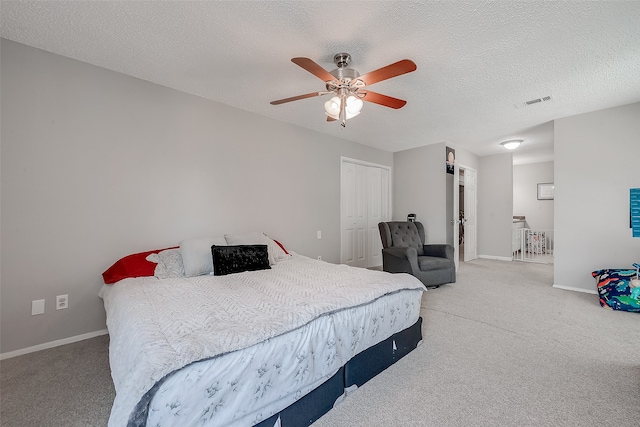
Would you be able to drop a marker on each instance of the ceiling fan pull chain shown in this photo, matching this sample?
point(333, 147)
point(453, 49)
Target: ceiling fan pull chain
point(343, 102)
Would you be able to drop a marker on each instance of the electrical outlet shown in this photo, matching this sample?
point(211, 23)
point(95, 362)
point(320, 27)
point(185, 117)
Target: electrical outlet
point(62, 302)
point(37, 307)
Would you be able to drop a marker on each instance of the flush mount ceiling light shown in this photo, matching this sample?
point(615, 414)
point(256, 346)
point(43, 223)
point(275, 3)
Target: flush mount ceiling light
point(349, 88)
point(511, 144)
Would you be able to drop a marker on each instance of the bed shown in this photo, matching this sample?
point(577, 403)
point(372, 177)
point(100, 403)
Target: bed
point(274, 346)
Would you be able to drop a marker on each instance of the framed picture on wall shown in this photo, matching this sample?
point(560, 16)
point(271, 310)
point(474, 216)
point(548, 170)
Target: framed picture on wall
point(451, 160)
point(545, 191)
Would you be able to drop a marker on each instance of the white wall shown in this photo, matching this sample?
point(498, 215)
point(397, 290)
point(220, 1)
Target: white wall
point(596, 163)
point(495, 206)
point(96, 165)
point(539, 213)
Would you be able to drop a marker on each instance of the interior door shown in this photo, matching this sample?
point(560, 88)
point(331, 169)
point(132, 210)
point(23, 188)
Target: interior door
point(470, 211)
point(354, 215)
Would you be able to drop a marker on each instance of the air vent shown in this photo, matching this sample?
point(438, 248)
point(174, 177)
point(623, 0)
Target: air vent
point(534, 101)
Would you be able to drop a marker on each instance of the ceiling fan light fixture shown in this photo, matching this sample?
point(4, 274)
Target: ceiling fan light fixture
point(511, 144)
point(332, 107)
point(353, 106)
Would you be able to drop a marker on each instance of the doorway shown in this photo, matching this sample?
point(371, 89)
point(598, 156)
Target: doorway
point(464, 215)
point(461, 216)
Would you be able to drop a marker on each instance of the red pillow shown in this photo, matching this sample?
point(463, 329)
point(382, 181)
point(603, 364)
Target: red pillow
point(134, 265)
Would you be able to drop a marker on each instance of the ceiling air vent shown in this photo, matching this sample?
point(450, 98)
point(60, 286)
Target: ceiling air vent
point(534, 101)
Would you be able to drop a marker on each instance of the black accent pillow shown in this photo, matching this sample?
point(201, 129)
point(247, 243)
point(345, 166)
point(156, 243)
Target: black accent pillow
point(235, 259)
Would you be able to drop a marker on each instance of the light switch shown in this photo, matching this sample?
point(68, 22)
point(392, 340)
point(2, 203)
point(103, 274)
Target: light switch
point(319, 234)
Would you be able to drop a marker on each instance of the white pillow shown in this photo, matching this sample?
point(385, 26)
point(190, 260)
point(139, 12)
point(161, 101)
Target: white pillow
point(196, 255)
point(170, 264)
point(256, 238)
point(278, 253)
point(154, 258)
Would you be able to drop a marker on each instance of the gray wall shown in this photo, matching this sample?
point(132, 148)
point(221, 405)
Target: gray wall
point(419, 186)
point(465, 158)
point(495, 206)
point(96, 165)
point(596, 163)
point(539, 213)
point(449, 207)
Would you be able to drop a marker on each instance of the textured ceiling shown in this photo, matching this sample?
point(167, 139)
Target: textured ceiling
point(478, 62)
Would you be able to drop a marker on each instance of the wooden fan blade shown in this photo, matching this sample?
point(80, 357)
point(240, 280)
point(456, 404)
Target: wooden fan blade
point(396, 69)
point(313, 68)
point(330, 119)
point(295, 98)
point(385, 100)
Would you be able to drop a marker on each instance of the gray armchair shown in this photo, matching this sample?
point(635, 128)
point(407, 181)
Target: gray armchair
point(404, 251)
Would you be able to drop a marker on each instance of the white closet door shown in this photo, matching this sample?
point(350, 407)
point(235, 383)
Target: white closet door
point(366, 201)
point(354, 215)
point(374, 202)
point(385, 197)
point(385, 216)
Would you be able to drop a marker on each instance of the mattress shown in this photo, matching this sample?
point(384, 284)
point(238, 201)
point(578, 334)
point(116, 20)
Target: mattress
point(233, 350)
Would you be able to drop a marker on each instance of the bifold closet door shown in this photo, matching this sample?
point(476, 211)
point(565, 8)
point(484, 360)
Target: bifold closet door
point(365, 202)
point(378, 211)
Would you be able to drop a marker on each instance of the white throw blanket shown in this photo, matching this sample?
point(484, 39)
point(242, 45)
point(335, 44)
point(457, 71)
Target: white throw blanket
point(159, 326)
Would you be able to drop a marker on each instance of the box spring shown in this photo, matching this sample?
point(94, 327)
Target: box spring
point(354, 373)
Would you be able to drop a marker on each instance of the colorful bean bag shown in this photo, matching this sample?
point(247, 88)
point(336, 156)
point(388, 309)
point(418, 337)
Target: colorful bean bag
point(614, 290)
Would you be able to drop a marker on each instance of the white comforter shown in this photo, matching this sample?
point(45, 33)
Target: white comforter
point(159, 326)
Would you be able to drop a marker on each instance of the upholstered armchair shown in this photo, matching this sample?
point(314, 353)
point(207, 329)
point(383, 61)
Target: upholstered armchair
point(404, 251)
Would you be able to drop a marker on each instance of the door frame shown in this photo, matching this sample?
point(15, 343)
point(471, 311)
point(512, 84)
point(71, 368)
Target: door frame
point(344, 159)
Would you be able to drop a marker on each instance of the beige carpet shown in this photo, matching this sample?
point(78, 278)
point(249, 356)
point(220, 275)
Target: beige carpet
point(64, 386)
point(501, 348)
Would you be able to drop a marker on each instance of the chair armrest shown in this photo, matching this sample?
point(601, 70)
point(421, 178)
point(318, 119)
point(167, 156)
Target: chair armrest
point(442, 251)
point(400, 260)
point(400, 252)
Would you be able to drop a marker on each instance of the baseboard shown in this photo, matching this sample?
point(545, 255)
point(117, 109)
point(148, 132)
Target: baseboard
point(52, 344)
point(569, 288)
point(499, 258)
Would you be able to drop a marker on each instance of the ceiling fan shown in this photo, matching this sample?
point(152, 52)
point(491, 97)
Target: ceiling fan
point(349, 87)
